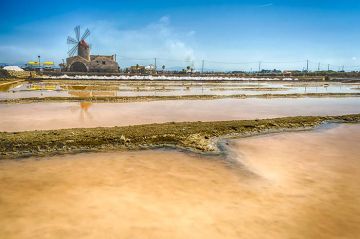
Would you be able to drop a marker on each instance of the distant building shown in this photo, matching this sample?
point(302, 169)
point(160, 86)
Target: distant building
point(48, 66)
point(33, 65)
point(92, 63)
point(83, 61)
point(150, 68)
point(137, 69)
point(291, 72)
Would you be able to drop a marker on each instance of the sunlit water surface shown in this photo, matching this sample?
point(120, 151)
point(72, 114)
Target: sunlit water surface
point(38, 116)
point(148, 88)
point(289, 185)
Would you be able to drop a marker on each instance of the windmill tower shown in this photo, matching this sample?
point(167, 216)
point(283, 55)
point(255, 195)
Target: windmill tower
point(79, 45)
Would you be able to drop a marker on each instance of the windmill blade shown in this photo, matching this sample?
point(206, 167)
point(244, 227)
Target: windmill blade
point(77, 32)
point(71, 40)
point(85, 35)
point(73, 50)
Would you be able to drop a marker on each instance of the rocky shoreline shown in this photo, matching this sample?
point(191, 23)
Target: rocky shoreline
point(197, 136)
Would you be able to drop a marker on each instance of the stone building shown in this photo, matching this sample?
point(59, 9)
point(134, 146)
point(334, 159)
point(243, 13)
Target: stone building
point(83, 61)
point(95, 63)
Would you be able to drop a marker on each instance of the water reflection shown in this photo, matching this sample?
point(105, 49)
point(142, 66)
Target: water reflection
point(149, 88)
point(83, 110)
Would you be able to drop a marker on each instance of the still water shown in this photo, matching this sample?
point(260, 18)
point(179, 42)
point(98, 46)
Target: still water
point(38, 116)
point(142, 88)
point(290, 185)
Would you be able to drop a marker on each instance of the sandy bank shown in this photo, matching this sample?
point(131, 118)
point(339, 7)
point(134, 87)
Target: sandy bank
point(121, 99)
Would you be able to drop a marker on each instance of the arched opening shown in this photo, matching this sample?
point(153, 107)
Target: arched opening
point(78, 67)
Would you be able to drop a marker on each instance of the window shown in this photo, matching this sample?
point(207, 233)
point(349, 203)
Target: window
point(103, 62)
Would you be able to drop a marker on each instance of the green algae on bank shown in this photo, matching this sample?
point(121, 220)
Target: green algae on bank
point(122, 99)
point(198, 136)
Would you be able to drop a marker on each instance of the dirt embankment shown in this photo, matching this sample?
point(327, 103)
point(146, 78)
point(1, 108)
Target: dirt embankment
point(123, 99)
point(197, 136)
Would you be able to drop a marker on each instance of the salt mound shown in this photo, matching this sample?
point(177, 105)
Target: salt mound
point(12, 68)
point(125, 77)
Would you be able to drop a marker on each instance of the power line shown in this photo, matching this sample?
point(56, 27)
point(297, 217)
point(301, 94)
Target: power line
point(201, 63)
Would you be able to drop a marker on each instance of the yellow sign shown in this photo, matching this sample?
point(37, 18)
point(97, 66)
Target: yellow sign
point(48, 63)
point(33, 63)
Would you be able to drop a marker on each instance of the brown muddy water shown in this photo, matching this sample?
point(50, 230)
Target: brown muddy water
point(289, 185)
point(40, 116)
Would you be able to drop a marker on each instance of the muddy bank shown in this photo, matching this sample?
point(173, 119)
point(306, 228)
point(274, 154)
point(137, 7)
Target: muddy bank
point(197, 136)
point(121, 99)
point(6, 85)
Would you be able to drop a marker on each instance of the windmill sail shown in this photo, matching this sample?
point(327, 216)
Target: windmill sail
point(85, 35)
point(78, 44)
point(77, 33)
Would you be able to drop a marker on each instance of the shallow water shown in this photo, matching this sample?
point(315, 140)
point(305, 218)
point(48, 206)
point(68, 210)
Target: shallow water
point(37, 116)
point(142, 88)
point(290, 185)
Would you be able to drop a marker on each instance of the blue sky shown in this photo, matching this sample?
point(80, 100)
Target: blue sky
point(227, 34)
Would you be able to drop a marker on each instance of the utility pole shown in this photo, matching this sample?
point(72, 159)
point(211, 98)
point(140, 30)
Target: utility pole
point(343, 67)
point(319, 66)
point(202, 66)
point(259, 66)
point(39, 62)
point(307, 65)
point(328, 67)
point(155, 65)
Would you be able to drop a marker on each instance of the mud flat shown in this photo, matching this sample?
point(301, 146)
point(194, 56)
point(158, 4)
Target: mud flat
point(48, 116)
point(198, 136)
point(290, 185)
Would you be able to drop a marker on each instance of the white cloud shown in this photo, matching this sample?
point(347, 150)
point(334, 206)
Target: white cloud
point(157, 39)
point(354, 58)
point(265, 5)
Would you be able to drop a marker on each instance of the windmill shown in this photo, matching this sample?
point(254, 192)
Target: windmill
point(79, 44)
